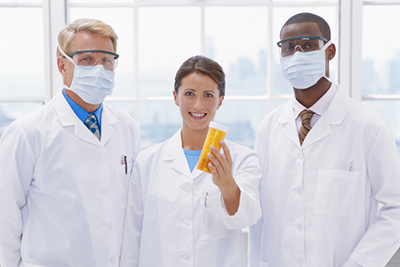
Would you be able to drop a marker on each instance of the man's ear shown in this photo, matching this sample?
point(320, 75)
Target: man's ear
point(331, 50)
point(61, 65)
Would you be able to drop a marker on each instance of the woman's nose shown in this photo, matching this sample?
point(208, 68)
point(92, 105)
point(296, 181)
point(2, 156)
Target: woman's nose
point(198, 104)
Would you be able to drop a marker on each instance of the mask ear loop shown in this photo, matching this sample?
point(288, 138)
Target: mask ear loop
point(323, 49)
point(326, 45)
point(71, 60)
point(65, 55)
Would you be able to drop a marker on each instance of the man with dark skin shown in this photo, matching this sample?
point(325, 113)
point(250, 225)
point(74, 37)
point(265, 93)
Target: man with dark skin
point(310, 96)
point(330, 192)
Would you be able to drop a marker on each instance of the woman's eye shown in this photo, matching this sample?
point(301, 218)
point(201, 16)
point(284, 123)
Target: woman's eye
point(209, 95)
point(189, 93)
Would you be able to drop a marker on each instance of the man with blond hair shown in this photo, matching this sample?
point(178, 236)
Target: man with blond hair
point(64, 168)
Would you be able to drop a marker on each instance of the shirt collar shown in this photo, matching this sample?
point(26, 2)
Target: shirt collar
point(320, 106)
point(80, 112)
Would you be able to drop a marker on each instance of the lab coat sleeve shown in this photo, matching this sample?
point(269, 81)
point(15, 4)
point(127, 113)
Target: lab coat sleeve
point(16, 172)
point(133, 222)
point(382, 238)
point(247, 175)
point(351, 263)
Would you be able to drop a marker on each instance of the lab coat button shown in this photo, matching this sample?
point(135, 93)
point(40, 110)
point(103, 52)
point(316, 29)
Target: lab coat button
point(186, 189)
point(105, 192)
point(113, 260)
point(186, 222)
point(299, 193)
point(186, 257)
point(110, 226)
point(300, 227)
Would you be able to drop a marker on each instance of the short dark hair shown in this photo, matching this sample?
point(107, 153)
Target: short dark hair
point(309, 17)
point(203, 65)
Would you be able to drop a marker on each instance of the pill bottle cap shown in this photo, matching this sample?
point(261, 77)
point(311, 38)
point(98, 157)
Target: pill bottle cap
point(219, 127)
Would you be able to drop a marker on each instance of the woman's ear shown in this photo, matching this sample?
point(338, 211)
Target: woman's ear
point(220, 101)
point(175, 98)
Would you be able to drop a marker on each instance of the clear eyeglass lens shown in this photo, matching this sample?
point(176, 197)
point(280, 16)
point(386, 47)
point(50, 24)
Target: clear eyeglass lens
point(288, 48)
point(91, 59)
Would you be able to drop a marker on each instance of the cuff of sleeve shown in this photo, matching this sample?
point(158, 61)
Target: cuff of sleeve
point(248, 212)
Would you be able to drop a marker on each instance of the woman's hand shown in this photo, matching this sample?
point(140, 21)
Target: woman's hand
point(221, 170)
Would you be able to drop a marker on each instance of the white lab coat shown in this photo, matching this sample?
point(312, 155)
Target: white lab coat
point(62, 189)
point(185, 222)
point(334, 198)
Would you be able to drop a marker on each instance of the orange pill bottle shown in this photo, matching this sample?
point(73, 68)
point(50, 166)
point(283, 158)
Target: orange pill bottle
point(216, 132)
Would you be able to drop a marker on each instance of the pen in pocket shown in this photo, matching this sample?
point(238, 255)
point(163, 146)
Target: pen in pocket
point(124, 161)
point(205, 200)
point(126, 165)
point(351, 166)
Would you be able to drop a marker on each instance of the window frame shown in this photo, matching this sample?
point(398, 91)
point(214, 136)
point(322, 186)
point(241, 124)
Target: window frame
point(349, 52)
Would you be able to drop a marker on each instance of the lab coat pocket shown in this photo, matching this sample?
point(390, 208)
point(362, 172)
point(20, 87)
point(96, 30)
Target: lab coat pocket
point(336, 192)
point(213, 226)
point(122, 176)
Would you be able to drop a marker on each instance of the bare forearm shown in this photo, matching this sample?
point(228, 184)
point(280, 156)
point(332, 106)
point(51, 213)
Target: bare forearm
point(231, 198)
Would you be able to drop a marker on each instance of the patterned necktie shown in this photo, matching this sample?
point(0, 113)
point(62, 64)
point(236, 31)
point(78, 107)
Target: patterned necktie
point(91, 123)
point(305, 116)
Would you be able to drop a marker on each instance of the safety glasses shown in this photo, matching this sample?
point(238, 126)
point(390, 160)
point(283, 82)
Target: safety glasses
point(288, 47)
point(89, 58)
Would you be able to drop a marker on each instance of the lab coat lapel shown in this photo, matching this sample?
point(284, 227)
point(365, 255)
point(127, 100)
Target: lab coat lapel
point(334, 115)
point(107, 125)
point(176, 154)
point(286, 119)
point(196, 173)
point(69, 119)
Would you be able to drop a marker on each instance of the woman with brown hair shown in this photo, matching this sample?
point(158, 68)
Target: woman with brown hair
point(178, 215)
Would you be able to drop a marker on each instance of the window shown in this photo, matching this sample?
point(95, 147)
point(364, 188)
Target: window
point(155, 37)
point(381, 60)
point(22, 82)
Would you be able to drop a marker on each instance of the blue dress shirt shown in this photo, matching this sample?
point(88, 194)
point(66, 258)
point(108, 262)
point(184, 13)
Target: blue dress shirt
point(81, 113)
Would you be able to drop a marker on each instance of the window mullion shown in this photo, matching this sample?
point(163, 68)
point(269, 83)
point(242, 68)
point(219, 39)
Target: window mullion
point(54, 16)
point(350, 56)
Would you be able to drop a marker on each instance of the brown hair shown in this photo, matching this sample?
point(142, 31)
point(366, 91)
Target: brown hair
point(203, 65)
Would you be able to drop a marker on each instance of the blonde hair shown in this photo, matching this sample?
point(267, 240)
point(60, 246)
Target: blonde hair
point(94, 26)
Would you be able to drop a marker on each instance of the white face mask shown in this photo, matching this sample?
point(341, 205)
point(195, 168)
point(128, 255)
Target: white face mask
point(92, 84)
point(304, 69)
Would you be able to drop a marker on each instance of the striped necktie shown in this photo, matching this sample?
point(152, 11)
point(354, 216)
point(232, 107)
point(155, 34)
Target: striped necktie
point(305, 116)
point(91, 123)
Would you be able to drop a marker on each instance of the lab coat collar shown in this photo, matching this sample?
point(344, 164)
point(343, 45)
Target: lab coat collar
point(286, 118)
point(175, 152)
point(334, 115)
point(107, 129)
point(69, 119)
